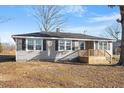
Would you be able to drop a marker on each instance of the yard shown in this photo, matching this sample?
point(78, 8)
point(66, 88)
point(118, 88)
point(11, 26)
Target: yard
point(49, 74)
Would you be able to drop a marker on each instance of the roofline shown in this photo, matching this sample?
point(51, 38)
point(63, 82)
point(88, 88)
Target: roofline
point(62, 38)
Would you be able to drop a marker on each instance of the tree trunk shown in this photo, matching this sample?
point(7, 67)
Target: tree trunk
point(121, 61)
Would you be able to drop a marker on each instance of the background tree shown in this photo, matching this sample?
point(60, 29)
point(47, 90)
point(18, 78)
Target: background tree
point(121, 61)
point(49, 17)
point(121, 21)
point(1, 48)
point(3, 20)
point(113, 31)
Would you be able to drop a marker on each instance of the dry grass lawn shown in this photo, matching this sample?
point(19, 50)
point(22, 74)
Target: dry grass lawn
point(8, 52)
point(48, 74)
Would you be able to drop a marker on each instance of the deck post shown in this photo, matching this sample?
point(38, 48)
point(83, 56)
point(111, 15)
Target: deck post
point(88, 52)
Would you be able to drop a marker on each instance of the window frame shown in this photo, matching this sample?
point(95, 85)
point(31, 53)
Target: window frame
point(68, 45)
point(34, 44)
point(108, 45)
point(27, 41)
point(39, 44)
point(82, 42)
point(65, 45)
point(59, 41)
point(105, 45)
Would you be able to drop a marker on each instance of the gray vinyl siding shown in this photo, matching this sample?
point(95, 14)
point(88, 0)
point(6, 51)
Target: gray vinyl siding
point(49, 54)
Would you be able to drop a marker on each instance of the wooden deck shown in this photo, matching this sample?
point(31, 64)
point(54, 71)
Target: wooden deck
point(92, 56)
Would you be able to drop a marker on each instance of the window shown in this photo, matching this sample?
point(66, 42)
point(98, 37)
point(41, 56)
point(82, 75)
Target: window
point(68, 45)
point(81, 45)
point(38, 44)
point(96, 45)
point(100, 45)
point(30, 44)
point(23, 44)
point(61, 45)
point(105, 45)
point(73, 45)
point(34, 44)
point(65, 45)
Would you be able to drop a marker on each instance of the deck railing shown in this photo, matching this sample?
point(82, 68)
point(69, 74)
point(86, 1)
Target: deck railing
point(91, 52)
point(97, 52)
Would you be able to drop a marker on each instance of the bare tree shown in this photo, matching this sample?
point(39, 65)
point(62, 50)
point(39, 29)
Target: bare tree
point(121, 21)
point(3, 20)
point(84, 31)
point(113, 31)
point(48, 17)
point(1, 47)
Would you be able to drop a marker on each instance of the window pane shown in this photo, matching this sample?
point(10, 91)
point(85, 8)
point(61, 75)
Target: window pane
point(62, 45)
point(96, 45)
point(38, 47)
point(30, 44)
point(23, 44)
point(68, 45)
point(30, 47)
point(82, 45)
point(100, 45)
point(105, 45)
point(38, 44)
point(62, 42)
point(30, 41)
point(73, 45)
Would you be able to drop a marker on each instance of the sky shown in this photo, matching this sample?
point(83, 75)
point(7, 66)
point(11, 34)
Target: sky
point(93, 19)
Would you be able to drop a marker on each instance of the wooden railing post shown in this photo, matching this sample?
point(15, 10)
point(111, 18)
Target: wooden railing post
point(88, 52)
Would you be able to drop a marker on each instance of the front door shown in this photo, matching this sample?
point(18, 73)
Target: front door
point(49, 47)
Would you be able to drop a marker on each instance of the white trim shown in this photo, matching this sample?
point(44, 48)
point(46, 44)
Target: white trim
point(26, 45)
point(16, 48)
point(61, 38)
point(94, 45)
point(109, 46)
point(84, 45)
point(98, 45)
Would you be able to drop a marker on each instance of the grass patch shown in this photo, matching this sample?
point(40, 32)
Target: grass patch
point(48, 74)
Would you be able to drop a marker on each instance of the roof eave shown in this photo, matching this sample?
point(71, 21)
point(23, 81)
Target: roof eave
point(13, 36)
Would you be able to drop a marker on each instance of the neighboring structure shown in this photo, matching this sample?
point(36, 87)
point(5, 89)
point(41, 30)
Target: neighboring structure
point(116, 47)
point(57, 46)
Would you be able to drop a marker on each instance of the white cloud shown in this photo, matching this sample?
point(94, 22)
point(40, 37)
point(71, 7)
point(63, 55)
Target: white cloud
point(76, 10)
point(111, 17)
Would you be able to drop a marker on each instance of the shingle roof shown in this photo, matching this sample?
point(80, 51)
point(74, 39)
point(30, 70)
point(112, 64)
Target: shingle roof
point(61, 35)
